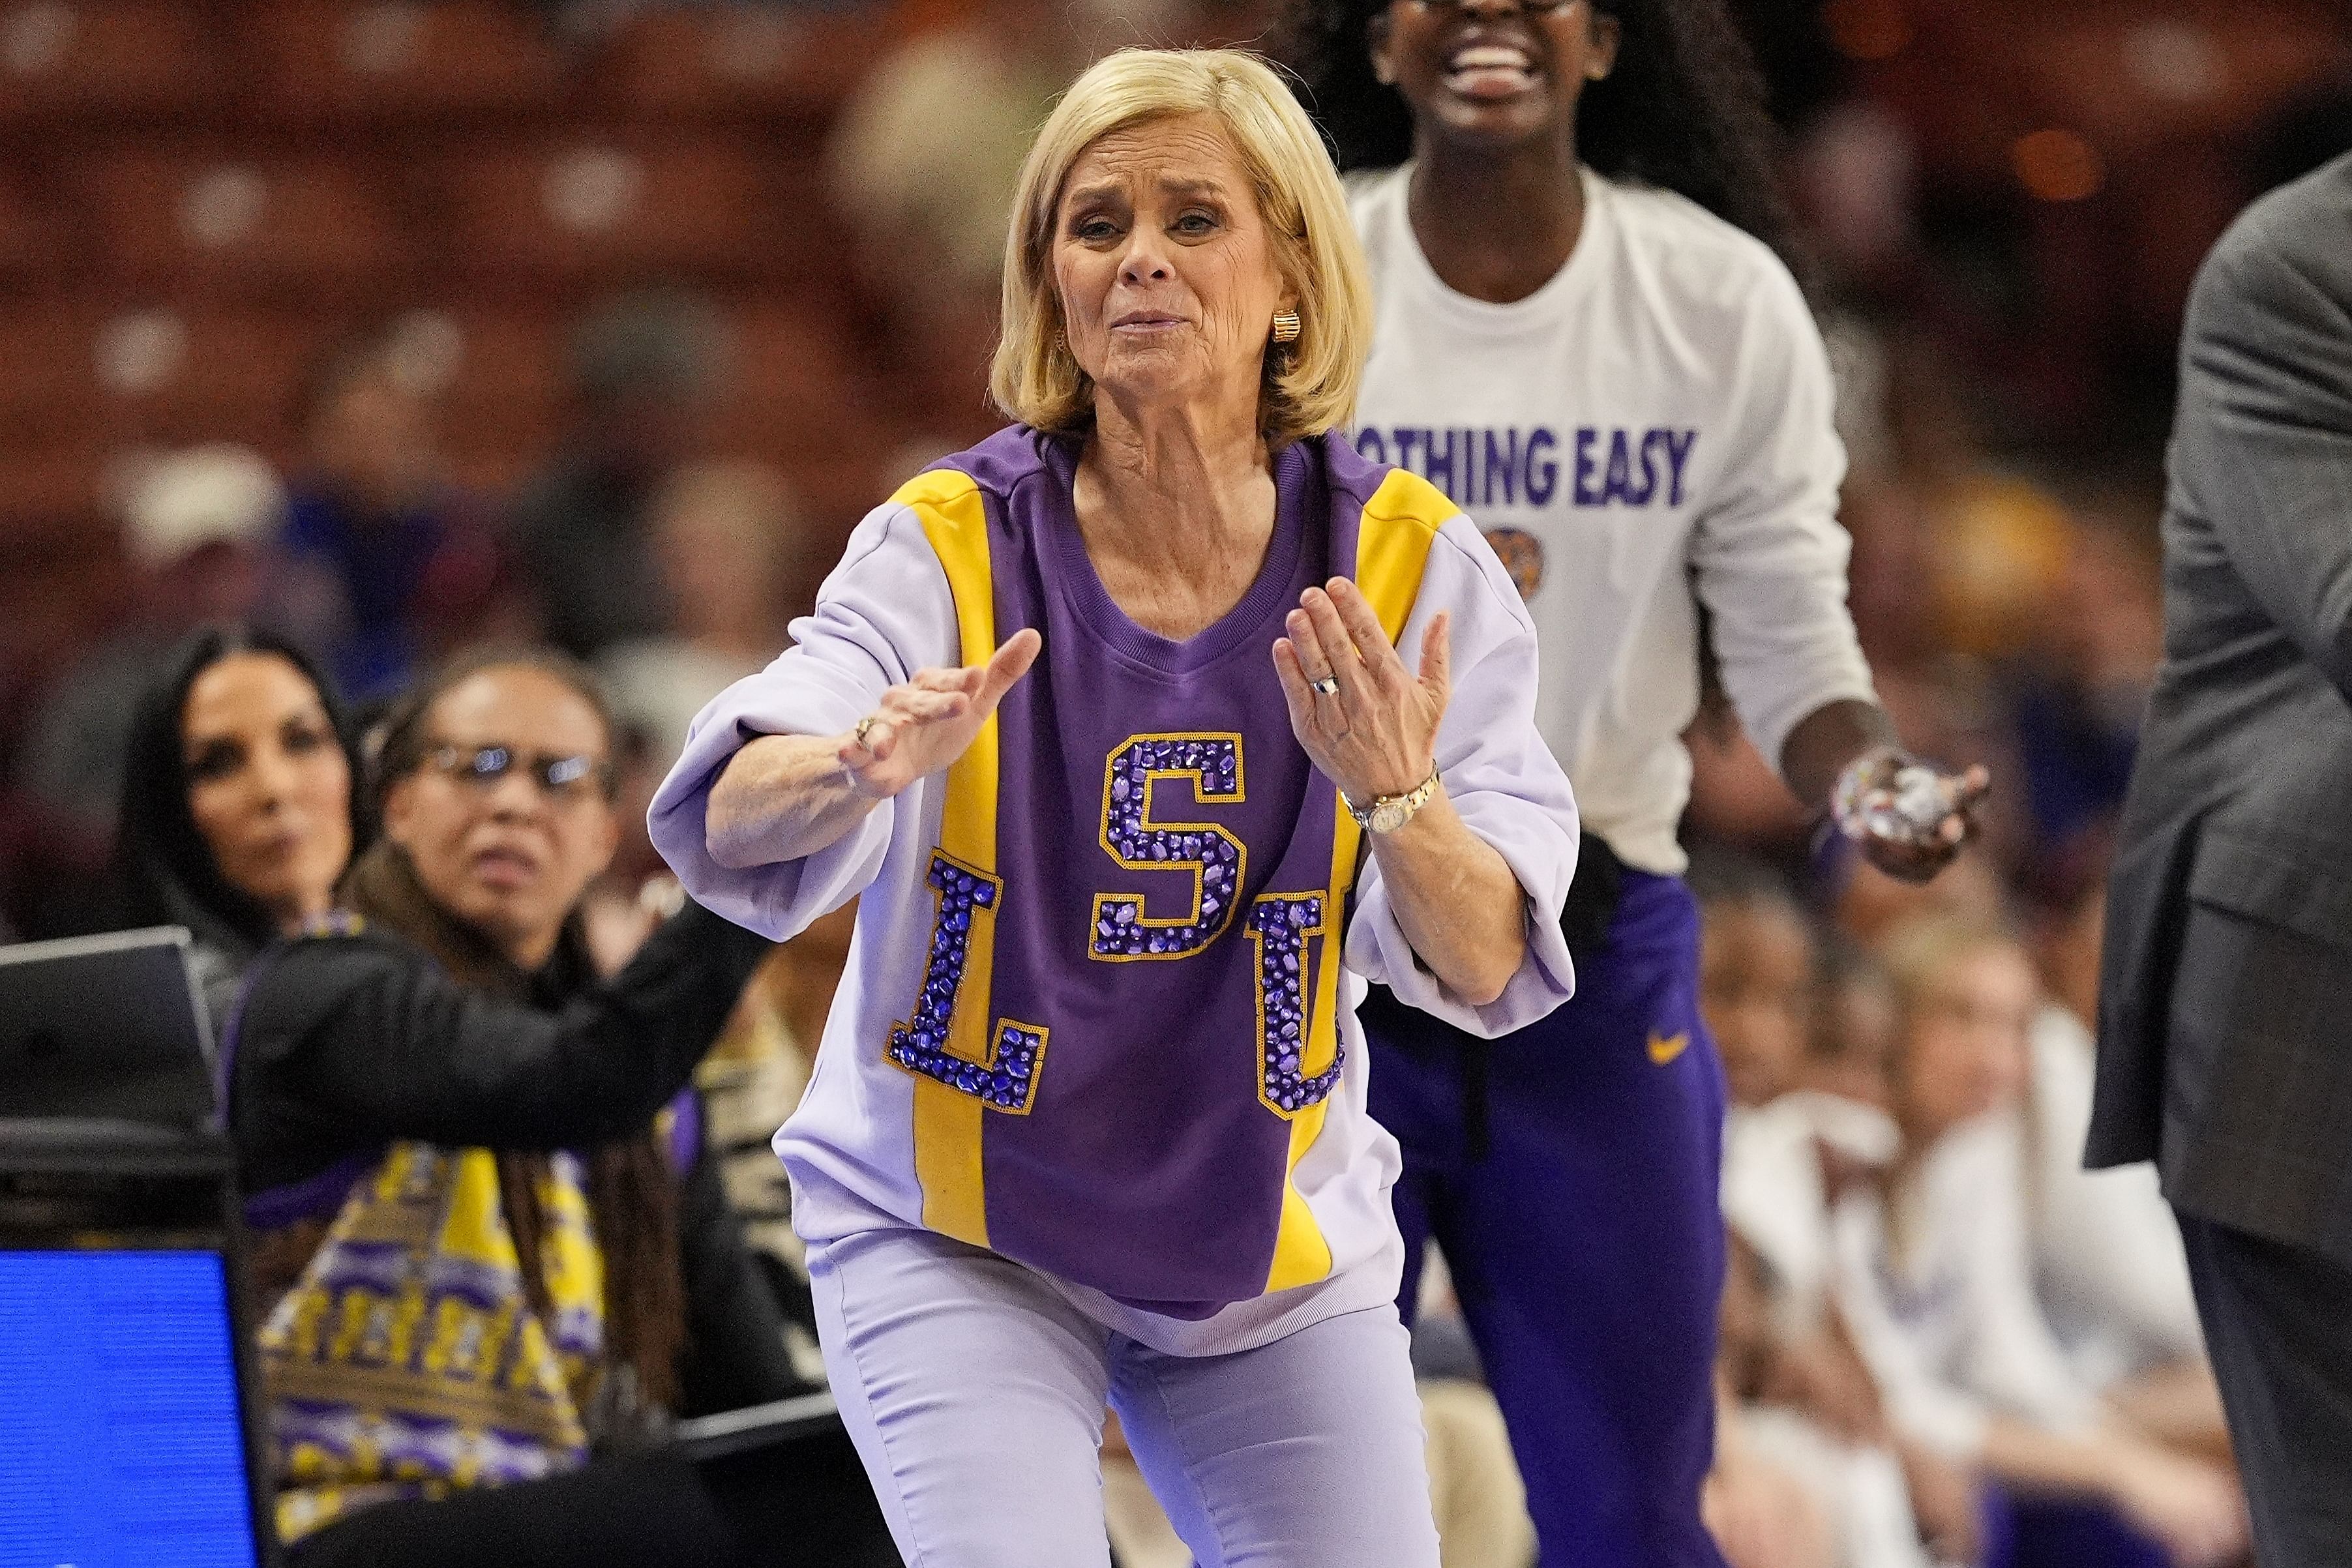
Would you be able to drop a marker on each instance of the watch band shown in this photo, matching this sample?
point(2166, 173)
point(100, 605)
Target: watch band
point(1387, 813)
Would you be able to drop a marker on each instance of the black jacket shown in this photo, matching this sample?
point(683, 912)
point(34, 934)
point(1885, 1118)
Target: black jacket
point(344, 1043)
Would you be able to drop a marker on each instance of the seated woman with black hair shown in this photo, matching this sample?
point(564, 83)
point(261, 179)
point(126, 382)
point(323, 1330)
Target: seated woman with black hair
point(490, 1270)
point(240, 798)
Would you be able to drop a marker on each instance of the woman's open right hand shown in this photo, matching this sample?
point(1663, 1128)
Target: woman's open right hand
point(925, 724)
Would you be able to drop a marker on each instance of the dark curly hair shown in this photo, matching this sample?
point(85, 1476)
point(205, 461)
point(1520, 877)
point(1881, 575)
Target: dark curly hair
point(1683, 111)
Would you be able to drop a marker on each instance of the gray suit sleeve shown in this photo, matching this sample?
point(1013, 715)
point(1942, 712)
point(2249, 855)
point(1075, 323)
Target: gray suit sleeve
point(2265, 440)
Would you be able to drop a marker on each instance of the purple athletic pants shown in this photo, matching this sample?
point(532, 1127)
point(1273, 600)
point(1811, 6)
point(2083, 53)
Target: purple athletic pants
point(1585, 1239)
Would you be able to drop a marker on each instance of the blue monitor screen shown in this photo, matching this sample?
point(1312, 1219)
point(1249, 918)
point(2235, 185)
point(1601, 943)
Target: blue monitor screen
point(119, 1439)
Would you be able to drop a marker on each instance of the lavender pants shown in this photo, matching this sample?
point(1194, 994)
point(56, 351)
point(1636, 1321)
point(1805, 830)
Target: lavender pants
point(975, 1394)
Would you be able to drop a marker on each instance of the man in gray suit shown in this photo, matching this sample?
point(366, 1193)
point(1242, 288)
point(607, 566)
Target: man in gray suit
point(2225, 1014)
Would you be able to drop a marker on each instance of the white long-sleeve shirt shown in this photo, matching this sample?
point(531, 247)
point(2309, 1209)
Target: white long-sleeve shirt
point(1941, 1303)
point(2108, 1256)
point(1655, 420)
point(1774, 1198)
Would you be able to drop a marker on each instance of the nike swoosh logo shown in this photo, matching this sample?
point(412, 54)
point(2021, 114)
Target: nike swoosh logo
point(1664, 1051)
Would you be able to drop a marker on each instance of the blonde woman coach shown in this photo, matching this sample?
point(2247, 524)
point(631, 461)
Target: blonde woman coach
point(1097, 716)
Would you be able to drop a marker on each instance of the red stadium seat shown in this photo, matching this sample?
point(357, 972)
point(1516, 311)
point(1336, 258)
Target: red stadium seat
point(805, 399)
point(2130, 83)
point(45, 491)
point(500, 382)
point(731, 60)
point(593, 209)
point(2129, 75)
point(33, 246)
point(797, 381)
point(391, 60)
point(169, 219)
point(172, 377)
point(834, 490)
point(48, 377)
point(104, 61)
point(498, 379)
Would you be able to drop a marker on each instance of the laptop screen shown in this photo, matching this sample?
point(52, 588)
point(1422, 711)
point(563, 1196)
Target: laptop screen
point(104, 1028)
point(122, 1444)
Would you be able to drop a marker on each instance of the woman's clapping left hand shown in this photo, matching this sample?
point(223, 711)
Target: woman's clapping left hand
point(1377, 733)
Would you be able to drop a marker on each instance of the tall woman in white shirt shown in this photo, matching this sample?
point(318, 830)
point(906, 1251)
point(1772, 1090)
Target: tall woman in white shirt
point(1585, 334)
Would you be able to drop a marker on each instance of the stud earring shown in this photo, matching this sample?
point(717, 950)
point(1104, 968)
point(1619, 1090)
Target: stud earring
point(1285, 326)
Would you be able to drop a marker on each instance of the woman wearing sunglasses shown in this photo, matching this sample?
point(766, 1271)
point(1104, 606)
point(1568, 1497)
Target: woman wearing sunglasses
point(486, 1259)
point(1587, 337)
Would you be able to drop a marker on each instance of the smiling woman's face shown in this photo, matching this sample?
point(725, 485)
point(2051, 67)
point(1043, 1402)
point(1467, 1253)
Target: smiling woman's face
point(1165, 269)
point(1492, 76)
point(511, 855)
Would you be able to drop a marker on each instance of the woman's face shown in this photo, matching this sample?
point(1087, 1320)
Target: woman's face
point(1965, 1039)
point(1165, 269)
point(269, 785)
point(502, 849)
point(1756, 991)
point(1492, 74)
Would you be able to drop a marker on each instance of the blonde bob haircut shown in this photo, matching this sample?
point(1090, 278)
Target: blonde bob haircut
point(1915, 954)
point(1311, 384)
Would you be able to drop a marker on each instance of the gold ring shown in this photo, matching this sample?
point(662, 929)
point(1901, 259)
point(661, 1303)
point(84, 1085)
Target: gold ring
point(858, 734)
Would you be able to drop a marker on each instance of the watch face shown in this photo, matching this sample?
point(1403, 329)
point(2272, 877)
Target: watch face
point(1391, 815)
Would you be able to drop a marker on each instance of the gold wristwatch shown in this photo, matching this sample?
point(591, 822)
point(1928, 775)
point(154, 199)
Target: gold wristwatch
point(1387, 813)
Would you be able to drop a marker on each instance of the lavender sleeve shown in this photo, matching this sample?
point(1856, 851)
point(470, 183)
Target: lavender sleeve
point(885, 613)
point(1501, 778)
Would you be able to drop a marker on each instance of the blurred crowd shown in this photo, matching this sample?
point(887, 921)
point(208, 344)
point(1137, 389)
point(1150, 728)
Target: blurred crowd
point(647, 448)
point(2005, 203)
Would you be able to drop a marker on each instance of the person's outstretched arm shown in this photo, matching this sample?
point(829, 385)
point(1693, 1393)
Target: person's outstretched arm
point(786, 797)
point(1769, 563)
point(775, 814)
point(369, 1036)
